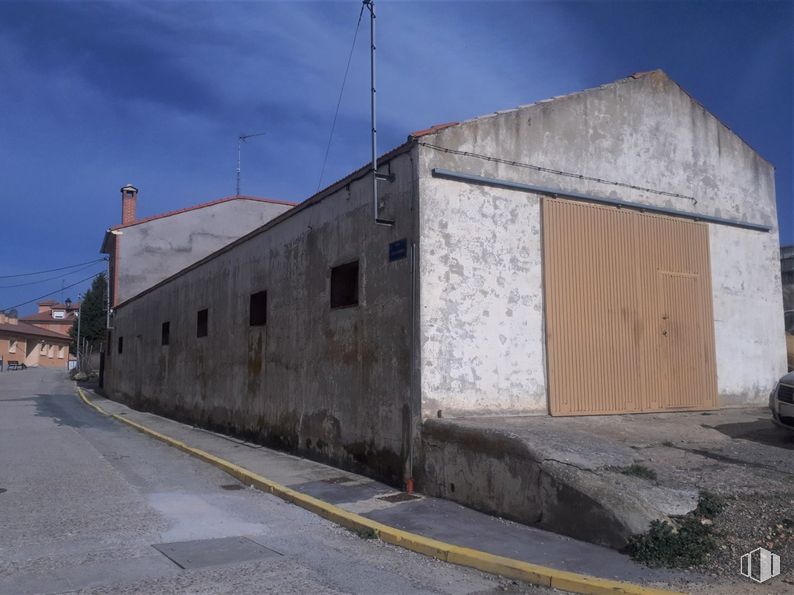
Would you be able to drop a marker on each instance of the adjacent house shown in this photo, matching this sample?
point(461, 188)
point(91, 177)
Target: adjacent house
point(610, 251)
point(31, 345)
point(144, 251)
point(54, 316)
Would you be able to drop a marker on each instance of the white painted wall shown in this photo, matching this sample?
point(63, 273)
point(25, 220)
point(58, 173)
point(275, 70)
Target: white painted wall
point(748, 324)
point(481, 300)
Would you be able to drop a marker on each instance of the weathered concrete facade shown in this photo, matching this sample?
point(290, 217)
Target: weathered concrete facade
point(483, 344)
point(328, 383)
point(463, 331)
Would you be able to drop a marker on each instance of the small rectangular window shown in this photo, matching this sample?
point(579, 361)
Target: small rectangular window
point(344, 285)
point(61, 352)
point(12, 346)
point(201, 323)
point(165, 336)
point(121, 344)
point(43, 349)
point(258, 310)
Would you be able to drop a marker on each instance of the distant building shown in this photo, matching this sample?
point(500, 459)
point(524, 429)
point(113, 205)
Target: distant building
point(787, 275)
point(143, 252)
point(54, 316)
point(31, 345)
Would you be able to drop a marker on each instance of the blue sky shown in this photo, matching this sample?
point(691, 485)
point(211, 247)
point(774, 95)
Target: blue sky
point(98, 94)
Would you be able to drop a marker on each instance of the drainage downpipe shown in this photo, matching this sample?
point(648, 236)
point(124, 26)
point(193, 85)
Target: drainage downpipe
point(557, 193)
point(409, 472)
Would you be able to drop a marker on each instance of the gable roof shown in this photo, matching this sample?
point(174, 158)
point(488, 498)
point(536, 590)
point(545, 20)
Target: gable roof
point(22, 329)
point(657, 74)
point(105, 248)
point(46, 317)
point(203, 205)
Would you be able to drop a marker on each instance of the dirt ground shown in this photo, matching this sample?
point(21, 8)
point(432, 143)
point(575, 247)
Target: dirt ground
point(740, 455)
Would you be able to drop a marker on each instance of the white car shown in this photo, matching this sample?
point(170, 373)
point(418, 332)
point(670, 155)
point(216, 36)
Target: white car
point(781, 401)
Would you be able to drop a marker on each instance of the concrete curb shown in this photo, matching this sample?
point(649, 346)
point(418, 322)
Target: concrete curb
point(483, 561)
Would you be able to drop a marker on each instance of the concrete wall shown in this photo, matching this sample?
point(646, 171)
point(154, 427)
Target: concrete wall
point(329, 384)
point(154, 250)
point(482, 294)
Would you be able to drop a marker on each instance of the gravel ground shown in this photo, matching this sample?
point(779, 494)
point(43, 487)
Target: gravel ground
point(751, 521)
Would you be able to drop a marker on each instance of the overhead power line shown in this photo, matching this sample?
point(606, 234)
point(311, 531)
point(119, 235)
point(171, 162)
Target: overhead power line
point(53, 292)
point(73, 266)
point(558, 172)
point(74, 272)
point(339, 101)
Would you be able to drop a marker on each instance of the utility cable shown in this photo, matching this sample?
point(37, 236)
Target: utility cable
point(52, 270)
point(74, 272)
point(53, 292)
point(555, 171)
point(339, 101)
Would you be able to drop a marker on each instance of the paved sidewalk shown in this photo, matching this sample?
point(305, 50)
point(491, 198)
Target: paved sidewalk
point(431, 517)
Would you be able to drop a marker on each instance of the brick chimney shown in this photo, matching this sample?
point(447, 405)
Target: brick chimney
point(12, 317)
point(129, 200)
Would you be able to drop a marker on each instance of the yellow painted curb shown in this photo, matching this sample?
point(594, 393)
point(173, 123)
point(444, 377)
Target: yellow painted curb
point(463, 556)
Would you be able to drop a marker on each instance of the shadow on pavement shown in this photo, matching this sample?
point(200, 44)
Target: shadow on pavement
point(762, 431)
point(50, 406)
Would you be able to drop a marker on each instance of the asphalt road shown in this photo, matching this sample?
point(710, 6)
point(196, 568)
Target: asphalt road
point(84, 500)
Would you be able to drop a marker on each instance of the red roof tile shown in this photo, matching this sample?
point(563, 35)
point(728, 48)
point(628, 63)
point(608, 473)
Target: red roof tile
point(432, 130)
point(22, 329)
point(47, 317)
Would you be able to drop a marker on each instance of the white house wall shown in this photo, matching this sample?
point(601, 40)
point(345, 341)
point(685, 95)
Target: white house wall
point(154, 250)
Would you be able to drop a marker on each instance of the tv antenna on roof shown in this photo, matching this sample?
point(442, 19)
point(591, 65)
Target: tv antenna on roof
point(370, 5)
point(240, 140)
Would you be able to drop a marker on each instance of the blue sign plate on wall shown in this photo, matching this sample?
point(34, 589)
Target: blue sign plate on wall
point(398, 250)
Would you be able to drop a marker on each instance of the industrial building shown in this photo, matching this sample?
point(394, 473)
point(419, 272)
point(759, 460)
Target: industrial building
point(610, 251)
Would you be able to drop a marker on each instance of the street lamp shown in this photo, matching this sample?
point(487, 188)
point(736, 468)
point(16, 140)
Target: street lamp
point(79, 311)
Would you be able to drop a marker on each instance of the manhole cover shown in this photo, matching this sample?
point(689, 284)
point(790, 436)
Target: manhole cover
point(340, 479)
point(401, 497)
point(214, 552)
point(233, 486)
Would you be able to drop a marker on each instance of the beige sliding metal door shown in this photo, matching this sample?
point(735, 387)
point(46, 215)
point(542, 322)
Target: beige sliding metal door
point(629, 324)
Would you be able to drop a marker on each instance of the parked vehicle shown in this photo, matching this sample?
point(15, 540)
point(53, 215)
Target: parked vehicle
point(781, 401)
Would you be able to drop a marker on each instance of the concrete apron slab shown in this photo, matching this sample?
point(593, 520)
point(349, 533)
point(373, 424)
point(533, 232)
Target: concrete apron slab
point(564, 474)
point(555, 487)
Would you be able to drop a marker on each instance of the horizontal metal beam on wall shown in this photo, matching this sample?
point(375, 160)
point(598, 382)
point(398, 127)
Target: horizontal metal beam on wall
point(464, 177)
